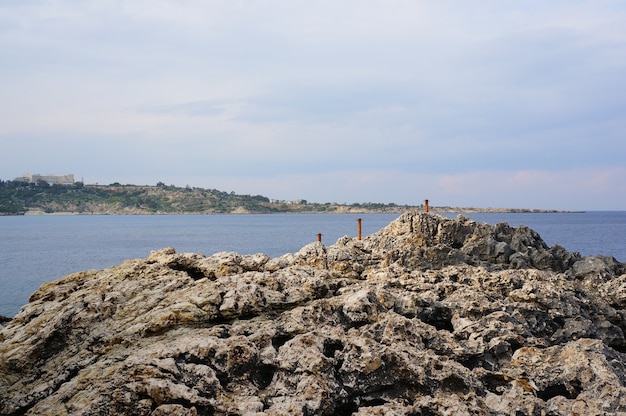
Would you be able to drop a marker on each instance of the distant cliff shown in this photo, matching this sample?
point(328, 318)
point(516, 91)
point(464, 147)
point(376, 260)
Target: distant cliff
point(428, 316)
point(19, 197)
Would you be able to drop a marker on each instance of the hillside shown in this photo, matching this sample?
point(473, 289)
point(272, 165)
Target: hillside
point(18, 198)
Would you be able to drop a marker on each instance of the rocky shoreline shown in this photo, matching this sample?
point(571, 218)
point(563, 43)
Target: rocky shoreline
point(428, 316)
point(336, 209)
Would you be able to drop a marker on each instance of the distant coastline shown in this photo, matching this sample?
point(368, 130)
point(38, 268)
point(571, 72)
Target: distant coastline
point(338, 209)
point(41, 198)
point(504, 210)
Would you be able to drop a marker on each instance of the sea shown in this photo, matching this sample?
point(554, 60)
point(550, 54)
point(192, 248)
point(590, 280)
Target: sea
point(38, 249)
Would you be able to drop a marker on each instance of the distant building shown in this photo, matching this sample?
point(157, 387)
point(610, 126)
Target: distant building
point(51, 179)
point(292, 202)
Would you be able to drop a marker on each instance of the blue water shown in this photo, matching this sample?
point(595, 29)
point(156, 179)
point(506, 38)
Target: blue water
point(37, 249)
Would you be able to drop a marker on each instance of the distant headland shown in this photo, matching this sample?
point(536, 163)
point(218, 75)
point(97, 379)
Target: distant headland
point(51, 194)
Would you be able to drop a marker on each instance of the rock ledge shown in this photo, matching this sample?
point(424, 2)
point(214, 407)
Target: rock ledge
point(428, 316)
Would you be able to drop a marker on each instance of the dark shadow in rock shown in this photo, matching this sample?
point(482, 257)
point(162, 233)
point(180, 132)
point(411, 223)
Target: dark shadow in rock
point(352, 405)
point(470, 362)
point(454, 384)
point(495, 383)
point(223, 378)
point(56, 342)
point(331, 346)
point(264, 375)
point(569, 392)
point(486, 361)
point(438, 316)
point(346, 408)
point(194, 272)
point(619, 348)
point(222, 331)
point(280, 340)
point(373, 402)
point(540, 323)
point(515, 344)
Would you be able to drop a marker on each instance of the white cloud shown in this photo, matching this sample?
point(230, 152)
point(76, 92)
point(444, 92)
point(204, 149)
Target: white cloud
point(231, 91)
point(576, 189)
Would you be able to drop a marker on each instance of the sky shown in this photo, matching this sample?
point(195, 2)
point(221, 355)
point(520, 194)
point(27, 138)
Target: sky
point(488, 103)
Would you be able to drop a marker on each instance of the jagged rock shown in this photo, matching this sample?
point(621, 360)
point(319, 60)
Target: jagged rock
point(427, 316)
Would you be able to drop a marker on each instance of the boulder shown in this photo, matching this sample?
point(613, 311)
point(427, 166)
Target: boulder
point(427, 316)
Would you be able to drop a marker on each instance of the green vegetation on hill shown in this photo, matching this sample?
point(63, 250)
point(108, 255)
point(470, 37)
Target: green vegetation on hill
point(18, 197)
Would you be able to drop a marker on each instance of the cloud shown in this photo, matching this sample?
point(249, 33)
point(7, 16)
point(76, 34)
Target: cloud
point(584, 189)
point(578, 189)
point(277, 92)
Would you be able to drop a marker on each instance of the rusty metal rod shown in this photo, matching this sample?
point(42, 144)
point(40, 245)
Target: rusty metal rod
point(426, 205)
point(359, 227)
point(319, 237)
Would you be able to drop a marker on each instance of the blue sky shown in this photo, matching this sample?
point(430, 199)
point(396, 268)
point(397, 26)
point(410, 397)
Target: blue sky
point(483, 103)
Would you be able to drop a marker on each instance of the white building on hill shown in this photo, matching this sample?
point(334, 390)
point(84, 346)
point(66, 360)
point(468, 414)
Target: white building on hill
point(51, 179)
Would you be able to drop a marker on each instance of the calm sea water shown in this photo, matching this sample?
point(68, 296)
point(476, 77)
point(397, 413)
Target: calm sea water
point(36, 249)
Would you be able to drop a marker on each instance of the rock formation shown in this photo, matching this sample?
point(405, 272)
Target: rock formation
point(428, 316)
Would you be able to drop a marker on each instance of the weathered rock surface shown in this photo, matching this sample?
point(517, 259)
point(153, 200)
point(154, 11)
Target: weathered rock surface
point(429, 316)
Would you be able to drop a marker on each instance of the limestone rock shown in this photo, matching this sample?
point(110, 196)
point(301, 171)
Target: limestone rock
point(427, 316)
